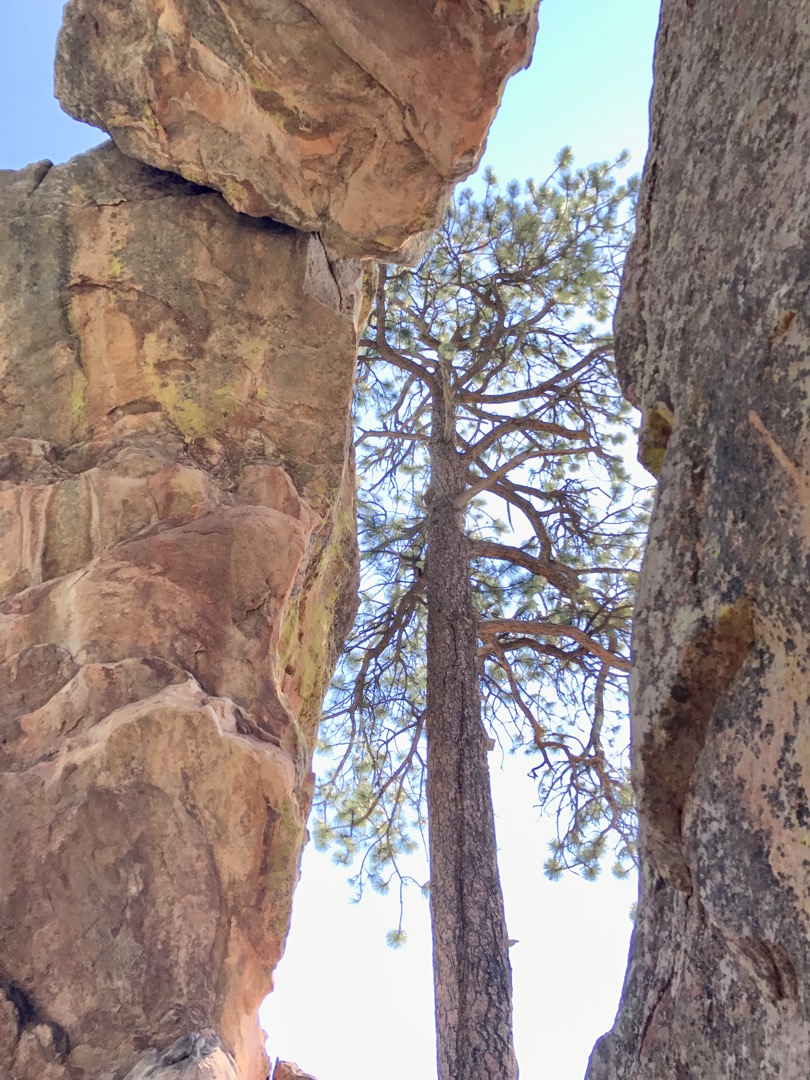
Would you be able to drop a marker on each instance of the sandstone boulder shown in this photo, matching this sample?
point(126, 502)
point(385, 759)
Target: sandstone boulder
point(352, 119)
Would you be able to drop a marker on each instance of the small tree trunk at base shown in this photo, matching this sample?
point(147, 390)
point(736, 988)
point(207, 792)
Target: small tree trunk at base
point(472, 975)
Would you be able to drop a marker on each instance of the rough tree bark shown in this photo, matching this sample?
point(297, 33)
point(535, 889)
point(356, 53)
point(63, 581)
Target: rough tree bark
point(472, 975)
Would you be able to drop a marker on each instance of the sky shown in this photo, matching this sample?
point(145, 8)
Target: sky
point(346, 1007)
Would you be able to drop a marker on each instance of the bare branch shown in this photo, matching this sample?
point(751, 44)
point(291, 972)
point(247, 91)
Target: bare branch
point(605, 570)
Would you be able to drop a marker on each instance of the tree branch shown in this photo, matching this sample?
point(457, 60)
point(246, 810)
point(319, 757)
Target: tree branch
point(541, 388)
point(398, 436)
point(493, 478)
point(559, 575)
point(386, 351)
point(523, 423)
point(488, 628)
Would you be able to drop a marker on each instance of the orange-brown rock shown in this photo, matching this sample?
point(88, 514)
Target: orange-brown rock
point(353, 119)
point(713, 336)
point(176, 563)
point(288, 1070)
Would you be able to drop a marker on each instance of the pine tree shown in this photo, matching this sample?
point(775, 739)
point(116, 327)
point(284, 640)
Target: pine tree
point(500, 536)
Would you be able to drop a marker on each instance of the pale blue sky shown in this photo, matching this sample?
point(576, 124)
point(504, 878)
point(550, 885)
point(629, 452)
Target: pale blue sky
point(588, 87)
point(346, 1007)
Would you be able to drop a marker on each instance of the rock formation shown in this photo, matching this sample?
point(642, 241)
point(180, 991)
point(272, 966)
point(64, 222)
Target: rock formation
point(178, 552)
point(712, 342)
point(178, 557)
point(287, 1070)
point(306, 110)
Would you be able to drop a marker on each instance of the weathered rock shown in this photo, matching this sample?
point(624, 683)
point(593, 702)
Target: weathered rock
point(196, 1056)
point(176, 560)
point(713, 344)
point(353, 119)
point(288, 1070)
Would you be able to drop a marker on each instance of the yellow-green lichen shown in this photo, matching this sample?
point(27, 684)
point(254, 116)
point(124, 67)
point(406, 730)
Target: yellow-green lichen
point(307, 639)
point(235, 193)
point(368, 293)
point(78, 400)
point(195, 175)
point(188, 493)
point(656, 428)
point(149, 119)
point(283, 857)
point(734, 625)
point(195, 411)
point(122, 120)
point(253, 355)
point(255, 83)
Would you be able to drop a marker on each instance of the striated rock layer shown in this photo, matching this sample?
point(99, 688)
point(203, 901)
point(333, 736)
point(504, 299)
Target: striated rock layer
point(177, 558)
point(355, 119)
point(713, 344)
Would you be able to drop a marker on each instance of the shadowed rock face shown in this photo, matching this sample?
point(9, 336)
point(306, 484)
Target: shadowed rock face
point(177, 557)
point(713, 345)
point(355, 119)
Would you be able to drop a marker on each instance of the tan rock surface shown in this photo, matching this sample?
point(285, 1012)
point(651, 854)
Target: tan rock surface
point(288, 1070)
point(176, 559)
point(354, 119)
point(713, 342)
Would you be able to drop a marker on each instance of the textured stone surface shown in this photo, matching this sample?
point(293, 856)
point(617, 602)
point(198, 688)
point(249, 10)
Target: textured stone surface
point(288, 1070)
point(355, 119)
point(713, 344)
point(176, 558)
point(196, 1056)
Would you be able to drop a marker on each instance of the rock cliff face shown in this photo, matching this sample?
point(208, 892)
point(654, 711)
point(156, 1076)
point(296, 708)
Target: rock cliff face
point(177, 549)
point(306, 110)
point(177, 555)
point(713, 344)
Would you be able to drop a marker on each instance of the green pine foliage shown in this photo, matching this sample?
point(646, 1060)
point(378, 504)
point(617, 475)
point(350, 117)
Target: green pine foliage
point(510, 308)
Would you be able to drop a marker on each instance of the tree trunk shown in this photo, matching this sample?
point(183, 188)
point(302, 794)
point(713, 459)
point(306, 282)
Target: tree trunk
point(472, 975)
